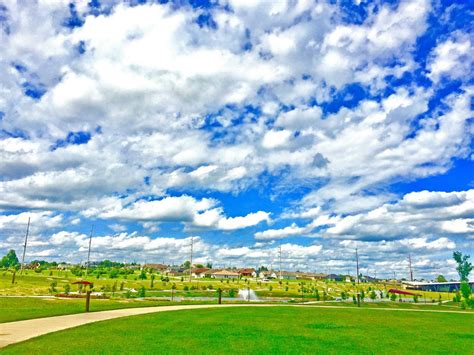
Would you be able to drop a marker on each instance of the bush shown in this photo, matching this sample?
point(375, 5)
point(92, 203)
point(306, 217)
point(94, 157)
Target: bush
point(231, 292)
point(185, 288)
point(141, 291)
point(67, 289)
point(393, 297)
point(52, 287)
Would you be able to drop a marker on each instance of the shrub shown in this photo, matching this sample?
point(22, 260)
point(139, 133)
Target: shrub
point(231, 292)
point(373, 295)
point(67, 289)
point(52, 287)
point(141, 291)
point(186, 288)
point(113, 274)
point(393, 297)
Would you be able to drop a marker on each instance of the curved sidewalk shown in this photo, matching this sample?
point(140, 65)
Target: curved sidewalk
point(15, 332)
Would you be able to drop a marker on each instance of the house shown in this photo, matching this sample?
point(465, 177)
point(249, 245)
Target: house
point(247, 272)
point(334, 277)
point(320, 276)
point(225, 274)
point(287, 275)
point(199, 272)
point(62, 266)
point(175, 271)
point(156, 267)
point(267, 275)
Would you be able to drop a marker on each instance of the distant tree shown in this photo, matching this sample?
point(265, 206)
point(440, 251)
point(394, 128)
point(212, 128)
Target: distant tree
point(373, 295)
point(209, 265)
point(141, 291)
point(186, 265)
point(316, 294)
point(52, 287)
point(67, 289)
point(464, 267)
point(354, 299)
point(393, 297)
point(142, 275)
point(199, 266)
point(441, 278)
point(362, 295)
point(9, 260)
point(152, 280)
point(465, 291)
point(415, 299)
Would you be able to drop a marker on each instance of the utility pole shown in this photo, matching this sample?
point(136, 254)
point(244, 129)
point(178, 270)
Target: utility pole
point(279, 254)
point(191, 265)
point(24, 246)
point(409, 265)
point(89, 251)
point(357, 266)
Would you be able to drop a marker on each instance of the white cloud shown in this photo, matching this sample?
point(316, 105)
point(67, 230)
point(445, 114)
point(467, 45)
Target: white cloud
point(452, 58)
point(271, 234)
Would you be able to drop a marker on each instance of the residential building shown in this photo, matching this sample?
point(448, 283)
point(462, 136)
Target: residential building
point(225, 274)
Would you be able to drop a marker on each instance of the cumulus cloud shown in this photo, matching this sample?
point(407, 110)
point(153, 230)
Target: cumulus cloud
point(452, 58)
point(142, 114)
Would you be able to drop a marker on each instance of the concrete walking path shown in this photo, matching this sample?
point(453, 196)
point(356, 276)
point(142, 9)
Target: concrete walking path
point(15, 332)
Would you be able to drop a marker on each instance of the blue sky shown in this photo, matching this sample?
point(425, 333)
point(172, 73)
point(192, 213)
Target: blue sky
point(317, 127)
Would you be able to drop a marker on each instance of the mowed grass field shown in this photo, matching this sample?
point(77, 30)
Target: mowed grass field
point(22, 308)
point(19, 308)
point(252, 330)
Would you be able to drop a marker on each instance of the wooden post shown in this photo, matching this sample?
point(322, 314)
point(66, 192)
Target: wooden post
point(220, 295)
point(88, 300)
point(13, 276)
point(358, 299)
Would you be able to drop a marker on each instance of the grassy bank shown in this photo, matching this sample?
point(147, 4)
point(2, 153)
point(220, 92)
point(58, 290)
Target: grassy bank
point(266, 330)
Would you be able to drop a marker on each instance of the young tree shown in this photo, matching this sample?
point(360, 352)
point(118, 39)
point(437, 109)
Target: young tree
point(441, 278)
point(152, 280)
point(141, 291)
point(9, 260)
point(142, 275)
point(464, 267)
point(373, 295)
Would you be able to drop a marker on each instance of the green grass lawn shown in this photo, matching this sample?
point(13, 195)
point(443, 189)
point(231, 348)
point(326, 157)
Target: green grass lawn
point(265, 330)
point(13, 309)
point(20, 308)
